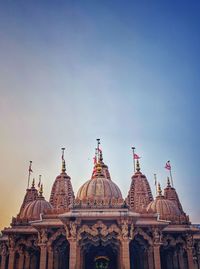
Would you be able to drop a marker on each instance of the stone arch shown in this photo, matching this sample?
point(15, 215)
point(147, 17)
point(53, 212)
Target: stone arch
point(97, 240)
point(173, 252)
point(140, 247)
point(58, 250)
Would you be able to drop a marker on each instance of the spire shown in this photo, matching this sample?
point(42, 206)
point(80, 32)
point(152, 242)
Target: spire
point(159, 190)
point(168, 182)
point(63, 161)
point(137, 166)
point(133, 149)
point(41, 191)
point(29, 172)
point(33, 183)
point(98, 149)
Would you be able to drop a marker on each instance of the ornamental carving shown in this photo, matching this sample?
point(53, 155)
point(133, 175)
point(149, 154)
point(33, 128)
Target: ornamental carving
point(99, 228)
point(189, 241)
point(124, 228)
point(42, 236)
point(4, 249)
point(157, 236)
point(139, 231)
point(55, 236)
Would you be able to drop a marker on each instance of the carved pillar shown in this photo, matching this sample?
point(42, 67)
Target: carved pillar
point(78, 262)
point(43, 255)
point(21, 259)
point(189, 240)
point(125, 254)
point(72, 254)
point(11, 261)
point(4, 254)
point(3, 261)
point(150, 258)
point(156, 252)
point(198, 254)
point(190, 258)
point(175, 260)
point(180, 258)
point(50, 258)
point(27, 260)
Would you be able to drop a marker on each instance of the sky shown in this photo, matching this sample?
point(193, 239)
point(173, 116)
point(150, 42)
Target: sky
point(123, 71)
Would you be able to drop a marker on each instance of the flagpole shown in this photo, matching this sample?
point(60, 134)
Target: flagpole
point(29, 173)
point(170, 172)
point(133, 148)
point(155, 178)
point(98, 143)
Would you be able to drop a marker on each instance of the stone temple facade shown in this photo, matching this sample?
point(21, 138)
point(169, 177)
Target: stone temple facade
point(99, 229)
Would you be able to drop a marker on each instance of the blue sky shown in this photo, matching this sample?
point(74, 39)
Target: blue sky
point(124, 71)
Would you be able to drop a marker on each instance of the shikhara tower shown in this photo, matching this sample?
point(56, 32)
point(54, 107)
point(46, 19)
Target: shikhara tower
point(98, 228)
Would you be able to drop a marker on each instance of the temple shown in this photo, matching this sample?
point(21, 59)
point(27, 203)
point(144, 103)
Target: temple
point(100, 229)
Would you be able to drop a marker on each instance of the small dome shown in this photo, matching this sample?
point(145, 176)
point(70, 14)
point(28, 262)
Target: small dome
point(166, 209)
point(33, 209)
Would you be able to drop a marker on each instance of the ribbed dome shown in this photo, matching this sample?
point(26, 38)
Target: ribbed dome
point(99, 188)
point(166, 209)
point(33, 209)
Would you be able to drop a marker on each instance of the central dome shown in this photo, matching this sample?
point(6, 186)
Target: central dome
point(100, 186)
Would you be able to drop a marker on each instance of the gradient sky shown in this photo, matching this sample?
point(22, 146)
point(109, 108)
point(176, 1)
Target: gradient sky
point(124, 71)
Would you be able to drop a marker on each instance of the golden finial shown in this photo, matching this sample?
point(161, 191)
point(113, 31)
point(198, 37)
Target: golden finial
point(33, 183)
point(41, 191)
point(168, 182)
point(137, 166)
point(98, 168)
point(63, 161)
point(159, 190)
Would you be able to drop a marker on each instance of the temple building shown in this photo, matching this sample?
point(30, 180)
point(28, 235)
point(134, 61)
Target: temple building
point(98, 228)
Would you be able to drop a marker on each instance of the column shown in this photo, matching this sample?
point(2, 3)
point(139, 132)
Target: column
point(190, 258)
point(50, 258)
point(43, 256)
point(27, 260)
point(175, 260)
point(72, 254)
point(150, 258)
point(11, 261)
point(21, 259)
point(3, 261)
point(78, 262)
point(156, 252)
point(180, 258)
point(198, 260)
point(125, 256)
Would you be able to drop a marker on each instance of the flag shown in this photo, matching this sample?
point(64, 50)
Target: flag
point(168, 165)
point(30, 168)
point(99, 150)
point(95, 159)
point(136, 157)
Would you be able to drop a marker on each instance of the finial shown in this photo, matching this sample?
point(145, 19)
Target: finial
point(168, 182)
point(98, 149)
point(41, 191)
point(159, 190)
point(63, 160)
point(137, 166)
point(29, 172)
point(39, 182)
point(133, 149)
point(33, 183)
